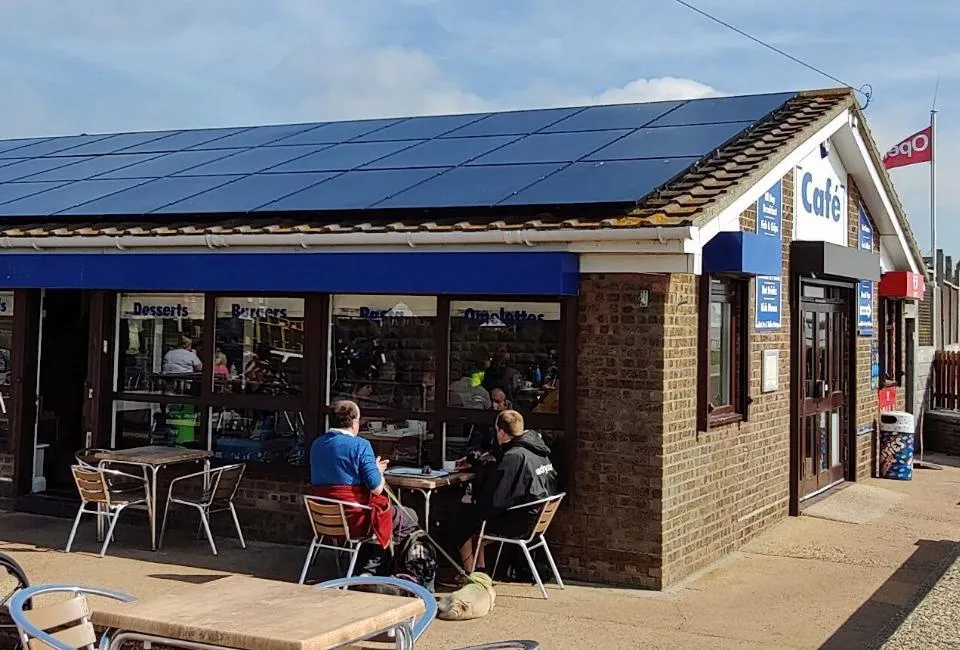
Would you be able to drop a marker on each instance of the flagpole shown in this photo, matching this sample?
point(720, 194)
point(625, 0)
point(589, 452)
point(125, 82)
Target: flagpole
point(934, 311)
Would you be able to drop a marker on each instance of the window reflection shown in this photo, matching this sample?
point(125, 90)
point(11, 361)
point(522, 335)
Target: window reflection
point(159, 347)
point(507, 349)
point(403, 442)
point(384, 351)
point(258, 435)
point(259, 346)
point(6, 362)
point(144, 423)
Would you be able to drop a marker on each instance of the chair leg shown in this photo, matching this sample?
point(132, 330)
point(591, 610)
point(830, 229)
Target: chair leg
point(553, 565)
point(163, 525)
point(496, 562)
point(476, 551)
point(354, 552)
point(236, 522)
point(204, 519)
point(533, 570)
point(113, 524)
point(307, 562)
point(76, 522)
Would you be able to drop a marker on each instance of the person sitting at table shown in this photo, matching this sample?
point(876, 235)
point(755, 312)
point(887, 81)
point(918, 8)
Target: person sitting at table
point(344, 467)
point(524, 473)
point(181, 360)
point(503, 375)
point(482, 447)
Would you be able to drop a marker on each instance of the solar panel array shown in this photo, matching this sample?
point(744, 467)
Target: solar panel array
point(563, 156)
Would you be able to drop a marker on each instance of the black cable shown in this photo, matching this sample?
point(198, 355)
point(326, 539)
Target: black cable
point(866, 90)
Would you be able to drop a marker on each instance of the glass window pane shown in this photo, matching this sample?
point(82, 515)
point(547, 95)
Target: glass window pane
point(159, 343)
point(6, 362)
point(146, 423)
point(720, 354)
point(265, 436)
point(384, 351)
point(403, 442)
point(505, 355)
point(259, 346)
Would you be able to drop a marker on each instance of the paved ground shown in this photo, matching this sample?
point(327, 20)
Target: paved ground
point(813, 582)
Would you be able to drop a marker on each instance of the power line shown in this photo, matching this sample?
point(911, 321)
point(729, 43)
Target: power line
point(866, 90)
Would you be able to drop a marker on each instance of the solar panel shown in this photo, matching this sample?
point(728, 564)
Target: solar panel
point(7, 147)
point(513, 123)
point(250, 161)
point(89, 166)
point(63, 197)
point(54, 146)
point(550, 148)
point(343, 157)
point(245, 194)
point(670, 141)
point(149, 196)
point(417, 128)
point(181, 140)
point(748, 108)
point(621, 181)
point(336, 132)
point(255, 137)
point(114, 143)
point(33, 166)
point(170, 164)
point(620, 116)
point(441, 153)
point(352, 190)
point(470, 186)
point(13, 191)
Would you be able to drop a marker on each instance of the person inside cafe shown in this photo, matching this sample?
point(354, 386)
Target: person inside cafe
point(482, 447)
point(344, 467)
point(181, 360)
point(524, 473)
point(467, 391)
point(501, 374)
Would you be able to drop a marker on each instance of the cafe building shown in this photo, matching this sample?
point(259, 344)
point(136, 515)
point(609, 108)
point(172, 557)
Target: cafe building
point(702, 305)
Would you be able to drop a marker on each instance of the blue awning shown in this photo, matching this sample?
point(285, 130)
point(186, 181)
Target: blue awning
point(503, 273)
point(746, 253)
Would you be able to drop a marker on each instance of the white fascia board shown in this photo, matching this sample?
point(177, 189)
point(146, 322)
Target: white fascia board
point(641, 263)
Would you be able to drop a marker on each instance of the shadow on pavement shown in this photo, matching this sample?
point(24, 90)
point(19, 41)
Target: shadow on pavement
point(880, 616)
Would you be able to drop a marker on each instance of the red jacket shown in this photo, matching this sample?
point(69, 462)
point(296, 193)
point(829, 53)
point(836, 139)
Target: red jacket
point(378, 521)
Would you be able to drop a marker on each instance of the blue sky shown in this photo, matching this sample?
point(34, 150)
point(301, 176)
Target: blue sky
point(116, 65)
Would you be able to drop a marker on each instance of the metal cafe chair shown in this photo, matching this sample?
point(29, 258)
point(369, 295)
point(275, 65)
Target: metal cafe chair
point(418, 626)
point(12, 579)
point(530, 542)
point(221, 485)
point(102, 489)
point(328, 518)
point(505, 645)
point(64, 625)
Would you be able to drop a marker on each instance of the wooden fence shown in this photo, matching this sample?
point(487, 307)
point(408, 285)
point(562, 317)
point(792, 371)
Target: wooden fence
point(945, 393)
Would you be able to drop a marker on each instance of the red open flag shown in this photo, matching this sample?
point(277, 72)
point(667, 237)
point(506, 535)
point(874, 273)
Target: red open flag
point(911, 151)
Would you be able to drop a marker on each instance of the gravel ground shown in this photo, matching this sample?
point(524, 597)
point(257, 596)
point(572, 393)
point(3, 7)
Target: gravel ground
point(935, 621)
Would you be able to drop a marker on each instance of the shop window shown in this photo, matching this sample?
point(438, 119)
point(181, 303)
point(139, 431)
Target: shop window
point(384, 351)
point(148, 423)
point(6, 365)
point(403, 442)
point(258, 435)
point(505, 355)
point(891, 342)
point(259, 346)
point(724, 329)
point(159, 344)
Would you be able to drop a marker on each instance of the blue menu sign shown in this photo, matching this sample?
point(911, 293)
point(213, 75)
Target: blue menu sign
point(770, 211)
point(768, 303)
point(874, 366)
point(866, 231)
point(865, 308)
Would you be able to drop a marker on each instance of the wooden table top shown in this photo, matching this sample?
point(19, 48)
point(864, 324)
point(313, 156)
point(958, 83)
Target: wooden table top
point(155, 455)
point(254, 614)
point(412, 482)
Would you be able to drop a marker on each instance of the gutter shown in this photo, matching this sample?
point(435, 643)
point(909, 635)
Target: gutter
point(528, 237)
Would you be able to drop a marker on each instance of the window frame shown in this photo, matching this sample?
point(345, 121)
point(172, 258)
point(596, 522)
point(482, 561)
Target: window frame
point(733, 291)
point(891, 342)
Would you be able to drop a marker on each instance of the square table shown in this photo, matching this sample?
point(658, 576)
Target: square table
point(426, 485)
point(152, 459)
point(254, 614)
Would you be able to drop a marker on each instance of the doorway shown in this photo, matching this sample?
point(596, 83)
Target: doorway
point(824, 387)
point(61, 375)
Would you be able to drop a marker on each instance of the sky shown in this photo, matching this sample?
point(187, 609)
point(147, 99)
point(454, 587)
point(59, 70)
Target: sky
point(94, 66)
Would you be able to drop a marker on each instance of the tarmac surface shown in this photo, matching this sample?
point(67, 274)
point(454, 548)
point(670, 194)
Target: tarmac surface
point(874, 565)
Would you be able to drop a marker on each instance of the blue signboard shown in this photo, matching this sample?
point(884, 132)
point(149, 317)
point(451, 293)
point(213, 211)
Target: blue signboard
point(865, 308)
point(768, 303)
point(875, 366)
point(866, 231)
point(770, 211)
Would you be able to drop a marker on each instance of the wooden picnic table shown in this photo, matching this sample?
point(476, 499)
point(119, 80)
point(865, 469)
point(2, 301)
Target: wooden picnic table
point(426, 485)
point(152, 459)
point(254, 614)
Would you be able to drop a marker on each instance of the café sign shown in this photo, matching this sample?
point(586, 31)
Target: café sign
point(820, 199)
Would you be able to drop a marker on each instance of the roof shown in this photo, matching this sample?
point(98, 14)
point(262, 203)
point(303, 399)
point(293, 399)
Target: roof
point(664, 163)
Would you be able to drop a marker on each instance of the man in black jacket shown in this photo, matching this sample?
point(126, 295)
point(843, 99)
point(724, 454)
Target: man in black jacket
point(524, 473)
